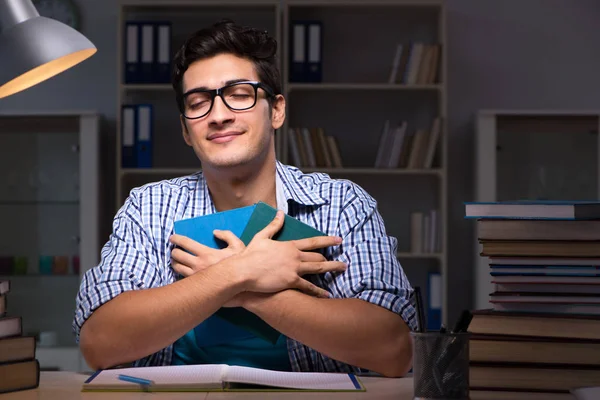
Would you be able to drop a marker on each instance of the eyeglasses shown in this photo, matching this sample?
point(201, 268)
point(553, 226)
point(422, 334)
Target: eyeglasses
point(236, 96)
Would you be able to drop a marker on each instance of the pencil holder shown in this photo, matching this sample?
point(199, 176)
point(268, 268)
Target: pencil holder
point(441, 365)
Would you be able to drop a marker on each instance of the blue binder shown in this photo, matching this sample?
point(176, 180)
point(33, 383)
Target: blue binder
point(128, 136)
point(298, 45)
point(314, 35)
point(434, 303)
point(162, 65)
point(147, 51)
point(144, 135)
point(131, 53)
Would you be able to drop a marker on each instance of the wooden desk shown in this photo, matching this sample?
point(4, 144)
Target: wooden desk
point(67, 385)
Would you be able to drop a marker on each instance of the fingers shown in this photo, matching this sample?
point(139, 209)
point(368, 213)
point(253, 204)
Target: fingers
point(270, 230)
point(317, 242)
point(181, 269)
point(182, 257)
point(311, 256)
point(321, 267)
point(187, 243)
point(229, 238)
point(310, 289)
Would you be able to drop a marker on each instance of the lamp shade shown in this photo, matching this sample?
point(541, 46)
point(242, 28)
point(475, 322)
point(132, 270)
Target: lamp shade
point(35, 48)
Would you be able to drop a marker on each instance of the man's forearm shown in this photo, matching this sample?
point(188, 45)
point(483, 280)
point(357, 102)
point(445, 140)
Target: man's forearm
point(349, 330)
point(139, 323)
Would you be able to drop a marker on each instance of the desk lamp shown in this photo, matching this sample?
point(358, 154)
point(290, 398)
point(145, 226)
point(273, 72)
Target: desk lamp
point(35, 48)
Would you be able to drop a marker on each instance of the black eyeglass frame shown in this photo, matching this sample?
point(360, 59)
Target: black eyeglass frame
point(219, 92)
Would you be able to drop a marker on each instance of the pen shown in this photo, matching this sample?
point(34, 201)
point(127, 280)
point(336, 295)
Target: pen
point(133, 379)
point(420, 312)
point(463, 322)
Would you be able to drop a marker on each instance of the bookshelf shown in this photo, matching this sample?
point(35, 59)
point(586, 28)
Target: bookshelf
point(351, 102)
point(49, 207)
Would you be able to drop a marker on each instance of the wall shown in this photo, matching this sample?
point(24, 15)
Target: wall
point(501, 54)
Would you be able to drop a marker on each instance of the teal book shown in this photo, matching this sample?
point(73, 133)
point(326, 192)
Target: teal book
point(201, 228)
point(244, 222)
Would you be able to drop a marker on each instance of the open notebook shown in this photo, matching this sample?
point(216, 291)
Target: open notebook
point(219, 377)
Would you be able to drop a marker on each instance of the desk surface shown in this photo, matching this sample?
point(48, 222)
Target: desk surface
point(67, 385)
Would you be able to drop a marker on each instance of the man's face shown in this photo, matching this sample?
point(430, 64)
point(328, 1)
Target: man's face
point(226, 138)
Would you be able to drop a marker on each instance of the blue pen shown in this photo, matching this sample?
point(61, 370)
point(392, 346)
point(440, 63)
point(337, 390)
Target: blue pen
point(133, 379)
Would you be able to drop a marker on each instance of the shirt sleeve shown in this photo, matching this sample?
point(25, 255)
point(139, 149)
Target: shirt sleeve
point(128, 261)
point(374, 273)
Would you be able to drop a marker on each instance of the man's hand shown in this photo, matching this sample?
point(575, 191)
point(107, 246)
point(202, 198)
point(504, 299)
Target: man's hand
point(270, 266)
point(202, 256)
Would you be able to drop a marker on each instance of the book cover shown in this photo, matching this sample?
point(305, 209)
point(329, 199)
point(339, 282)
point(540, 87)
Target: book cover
point(244, 222)
point(292, 229)
point(201, 228)
point(534, 209)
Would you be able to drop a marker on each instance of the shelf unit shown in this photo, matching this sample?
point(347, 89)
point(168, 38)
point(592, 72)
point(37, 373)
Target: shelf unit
point(359, 40)
point(356, 64)
point(187, 16)
point(49, 206)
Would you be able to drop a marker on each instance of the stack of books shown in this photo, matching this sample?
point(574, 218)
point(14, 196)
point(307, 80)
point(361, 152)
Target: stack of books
point(19, 369)
point(542, 333)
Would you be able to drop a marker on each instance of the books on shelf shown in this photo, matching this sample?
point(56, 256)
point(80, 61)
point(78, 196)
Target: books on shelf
point(543, 329)
point(425, 232)
point(415, 64)
point(399, 147)
point(405, 147)
point(220, 377)
point(311, 147)
point(19, 369)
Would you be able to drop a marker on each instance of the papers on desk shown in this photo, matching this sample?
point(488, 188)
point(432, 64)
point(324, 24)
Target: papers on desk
point(219, 377)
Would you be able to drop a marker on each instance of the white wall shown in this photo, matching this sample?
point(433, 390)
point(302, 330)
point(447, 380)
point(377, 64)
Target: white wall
point(501, 54)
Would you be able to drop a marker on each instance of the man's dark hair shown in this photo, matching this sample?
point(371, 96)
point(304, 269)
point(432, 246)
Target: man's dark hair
point(227, 37)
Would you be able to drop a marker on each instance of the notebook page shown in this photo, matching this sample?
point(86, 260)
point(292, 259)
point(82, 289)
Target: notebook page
point(172, 376)
point(291, 380)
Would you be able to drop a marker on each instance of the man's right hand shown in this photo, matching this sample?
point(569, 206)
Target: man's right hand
point(270, 266)
point(201, 256)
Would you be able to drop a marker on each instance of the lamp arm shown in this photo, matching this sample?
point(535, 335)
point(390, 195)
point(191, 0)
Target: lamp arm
point(13, 12)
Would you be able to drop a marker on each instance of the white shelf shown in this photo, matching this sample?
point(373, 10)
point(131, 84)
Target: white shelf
point(307, 86)
point(196, 3)
point(155, 87)
point(371, 3)
point(375, 171)
point(359, 86)
point(159, 171)
point(438, 256)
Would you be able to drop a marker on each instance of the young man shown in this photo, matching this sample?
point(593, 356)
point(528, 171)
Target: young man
point(352, 311)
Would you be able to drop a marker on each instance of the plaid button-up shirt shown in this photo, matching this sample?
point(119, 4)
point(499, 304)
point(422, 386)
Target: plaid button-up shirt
point(138, 253)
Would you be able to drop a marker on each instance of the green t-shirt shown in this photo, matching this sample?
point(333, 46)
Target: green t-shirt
point(216, 341)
